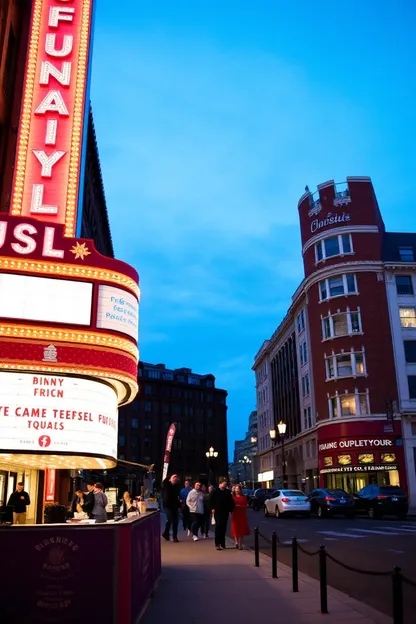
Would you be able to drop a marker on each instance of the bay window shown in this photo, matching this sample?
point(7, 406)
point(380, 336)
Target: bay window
point(338, 286)
point(353, 404)
point(350, 364)
point(333, 246)
point(341, 324)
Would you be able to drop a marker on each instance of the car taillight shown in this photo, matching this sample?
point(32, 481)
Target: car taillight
point(380, 496)
point(285, 500)
point(330, 498)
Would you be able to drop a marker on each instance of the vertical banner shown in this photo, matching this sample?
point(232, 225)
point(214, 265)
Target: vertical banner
point(50, 481)
point(166, 458)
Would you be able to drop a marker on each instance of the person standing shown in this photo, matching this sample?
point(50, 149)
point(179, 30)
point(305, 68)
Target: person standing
point(77, 502)
point(195, 503)
point(222, 504)
point(186, 518)
point(99, 512)
point(171, 505)
point(19, 500)
point(239, 523)
point(88, 505)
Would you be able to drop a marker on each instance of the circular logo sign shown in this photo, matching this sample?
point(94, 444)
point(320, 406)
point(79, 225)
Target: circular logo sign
point(44, 441)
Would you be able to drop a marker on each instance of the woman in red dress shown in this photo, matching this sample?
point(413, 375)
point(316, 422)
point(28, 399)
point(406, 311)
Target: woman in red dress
point(239, 523)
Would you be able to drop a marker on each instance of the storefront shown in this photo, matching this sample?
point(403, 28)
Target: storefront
point(355, 454)
point(10, 477)
point(266, 479)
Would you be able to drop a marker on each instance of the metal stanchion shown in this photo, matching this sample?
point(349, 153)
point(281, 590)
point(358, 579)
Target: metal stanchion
point(274, 554)
point(295, 565)
point(256, 548)
point(397, 585)
point(322, 579)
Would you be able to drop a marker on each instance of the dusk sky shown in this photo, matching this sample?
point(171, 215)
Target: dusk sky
point(211, 118)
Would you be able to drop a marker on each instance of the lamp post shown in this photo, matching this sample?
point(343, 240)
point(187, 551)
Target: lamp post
point(274, 435)
point(211, 455)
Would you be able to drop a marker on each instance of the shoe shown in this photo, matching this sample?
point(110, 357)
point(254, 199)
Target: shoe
point(205, 536)
point(240, 548)
point(236, 545)
point(195, 538)
point(166, 537)
point(218, 547)
point(175, 539)
point(189, 533)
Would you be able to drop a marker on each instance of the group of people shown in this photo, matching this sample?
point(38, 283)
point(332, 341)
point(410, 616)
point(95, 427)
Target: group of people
point(93, 502)
point(201, 507)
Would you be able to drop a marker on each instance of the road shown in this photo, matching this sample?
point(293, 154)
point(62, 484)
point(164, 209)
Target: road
point(375, 545)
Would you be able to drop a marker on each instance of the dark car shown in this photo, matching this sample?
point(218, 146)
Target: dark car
point(331, 502)
point(256, 501)
point(382, 500)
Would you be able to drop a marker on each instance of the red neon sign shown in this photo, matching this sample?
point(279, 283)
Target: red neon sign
point(50, 482)
point(47, 171)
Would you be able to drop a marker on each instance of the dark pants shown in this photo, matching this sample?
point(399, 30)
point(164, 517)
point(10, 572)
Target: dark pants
point(196, 523)
point(206, 522)
point(221, 520)
point(186, 518)
point(172, 520)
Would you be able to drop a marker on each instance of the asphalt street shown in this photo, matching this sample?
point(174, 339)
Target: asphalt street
point(370, 545)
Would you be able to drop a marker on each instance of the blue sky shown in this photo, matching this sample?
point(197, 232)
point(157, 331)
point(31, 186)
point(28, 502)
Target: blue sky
point(211, 117)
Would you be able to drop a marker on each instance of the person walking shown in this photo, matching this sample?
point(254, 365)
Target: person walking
point(186, 518)
point(222, 504)
point(239, 522)
point(171, 505)
point(195, 503)
point(207, 512)
point(99, 512)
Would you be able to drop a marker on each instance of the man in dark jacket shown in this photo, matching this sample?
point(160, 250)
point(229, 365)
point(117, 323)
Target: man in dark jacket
point(89, 500)
point(171, 504)
point(19, 500)
point(222, 504)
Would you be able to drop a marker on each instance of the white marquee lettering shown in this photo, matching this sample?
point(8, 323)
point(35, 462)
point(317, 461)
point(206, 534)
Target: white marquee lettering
point(60, 14)
point(330, 219)
point(63, 75)
point(3, 230)
point(48, 162)
point(53, 102)
point(36, 205)
point(48, 250)
point(51, 129)
point(22, 233)
point(66, 49)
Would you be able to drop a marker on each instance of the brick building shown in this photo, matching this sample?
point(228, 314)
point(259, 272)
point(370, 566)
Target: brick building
point(352, 326)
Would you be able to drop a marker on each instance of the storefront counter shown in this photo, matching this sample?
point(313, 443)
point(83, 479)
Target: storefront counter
point(76, 572)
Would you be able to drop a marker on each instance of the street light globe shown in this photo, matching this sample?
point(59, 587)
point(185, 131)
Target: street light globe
point(207, 453)
point(282, 428)
point(215, 453)
point(272, 434)
point(211, 450)
point(253, 439)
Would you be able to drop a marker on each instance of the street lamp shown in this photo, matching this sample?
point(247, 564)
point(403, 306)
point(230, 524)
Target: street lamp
point(281, 432)
point(246, 460)
point(211, 455)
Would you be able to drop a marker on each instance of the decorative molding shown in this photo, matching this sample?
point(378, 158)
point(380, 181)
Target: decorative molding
point(345, 229)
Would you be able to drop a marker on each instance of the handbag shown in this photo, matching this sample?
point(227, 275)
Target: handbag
point(212, 519)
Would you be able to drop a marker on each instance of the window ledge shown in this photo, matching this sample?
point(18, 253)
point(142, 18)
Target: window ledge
point(354, 294)
point(346, 377)
point(350, 253)
point(344, 336)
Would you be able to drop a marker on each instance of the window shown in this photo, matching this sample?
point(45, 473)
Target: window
point(134, 423)
point(338, 286)
point(168, 376)
point(121, 422)
point(121, 440)
point(349, 405)
point(153, 374)
point(148, 442)
point(122, 456)
point(303, 353)
point(333, 246)
point(194, 381)
point(301, 321)
point(341, 324)
point(305, 385)
point(147, 425)
point(345, 365)
point(406, 254)
point(408, 317)
point(307, 418)
point(404, 285)
point(148, 389)
point(209, 383)
point(148, 407)
point(410, 351)
point(411, 380)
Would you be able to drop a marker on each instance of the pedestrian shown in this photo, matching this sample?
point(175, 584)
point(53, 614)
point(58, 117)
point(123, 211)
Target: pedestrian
point(171, 505)
point(207, 512)
point(186, 518)
point(222, 504)
point(195, 503)
point(88, 504)
point(99, 512)
point(19, 500)
point(239, 523)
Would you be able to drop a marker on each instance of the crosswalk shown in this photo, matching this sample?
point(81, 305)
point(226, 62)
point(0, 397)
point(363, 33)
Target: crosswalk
point(355, 532)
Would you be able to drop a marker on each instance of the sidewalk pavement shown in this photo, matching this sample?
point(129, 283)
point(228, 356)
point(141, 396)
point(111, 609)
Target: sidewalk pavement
point(200, 585)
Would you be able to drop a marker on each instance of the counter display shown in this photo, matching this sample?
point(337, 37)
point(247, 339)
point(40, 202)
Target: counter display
point(72, 573)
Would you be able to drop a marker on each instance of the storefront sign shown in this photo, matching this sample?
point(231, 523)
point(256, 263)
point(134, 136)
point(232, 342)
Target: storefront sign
point(54, 415)
point(356, 444)
point(50, 480)
point(51, 132)
point(118, 310)
point(332, 218)
point(44, 299)
point(265, 476)
point(378, 468)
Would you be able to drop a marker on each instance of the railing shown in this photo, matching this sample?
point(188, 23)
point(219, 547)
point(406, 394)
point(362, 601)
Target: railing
point(397, 578)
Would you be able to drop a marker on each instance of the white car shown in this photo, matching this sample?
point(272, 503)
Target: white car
point(287, 501)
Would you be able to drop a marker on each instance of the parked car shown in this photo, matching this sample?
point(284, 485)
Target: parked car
point(256, 501)
point(377, 501)
point(248, 493)
point(331, 502)
point(287, 502)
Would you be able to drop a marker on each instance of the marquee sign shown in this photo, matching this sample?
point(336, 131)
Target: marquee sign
point(53, 119)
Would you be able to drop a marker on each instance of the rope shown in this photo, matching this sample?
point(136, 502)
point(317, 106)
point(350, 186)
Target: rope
point(358, 570)
point(307, 552)
point(409, 582)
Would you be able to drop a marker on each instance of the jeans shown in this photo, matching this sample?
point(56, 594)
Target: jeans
point(221, 520)
point(196, 520)
point(186, 518)
point(172, 520)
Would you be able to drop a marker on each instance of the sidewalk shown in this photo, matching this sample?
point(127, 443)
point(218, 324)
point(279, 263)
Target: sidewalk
point(200, 585)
